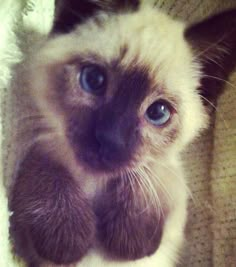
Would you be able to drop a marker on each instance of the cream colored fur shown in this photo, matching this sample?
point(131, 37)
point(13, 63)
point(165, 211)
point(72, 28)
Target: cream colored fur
point(157, 41)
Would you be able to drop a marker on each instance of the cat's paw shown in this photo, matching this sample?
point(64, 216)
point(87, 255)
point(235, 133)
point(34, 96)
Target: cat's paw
point(52, 220)
point(128, 227)
point(61, 235)
point(63, 232)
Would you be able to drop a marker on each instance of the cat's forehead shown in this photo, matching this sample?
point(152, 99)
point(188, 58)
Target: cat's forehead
point(146, 39)
point(148, 36)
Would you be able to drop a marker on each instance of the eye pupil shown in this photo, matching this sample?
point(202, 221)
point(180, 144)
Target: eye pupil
point(158, 113)
point(93, 79)
point(155, 112)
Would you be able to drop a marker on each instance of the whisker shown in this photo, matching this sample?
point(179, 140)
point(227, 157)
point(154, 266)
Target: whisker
point(219, 79)
point(214, 45)
point(130, 178)
point(180, 180)
point(210, 59)
point(157, 179)
point(142, 189)
point(221, 116)
point(39, 138)
point(151, 189)
point(25, 134)
point(156, 201)
point(31, 117)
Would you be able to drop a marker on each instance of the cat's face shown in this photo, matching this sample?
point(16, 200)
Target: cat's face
point(124, 89)
point(120, 90)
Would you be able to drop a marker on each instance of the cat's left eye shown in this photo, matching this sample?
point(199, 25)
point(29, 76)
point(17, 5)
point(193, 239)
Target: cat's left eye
point(159, 113)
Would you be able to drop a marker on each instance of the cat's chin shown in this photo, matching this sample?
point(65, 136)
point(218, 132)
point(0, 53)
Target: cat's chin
point(102, 166)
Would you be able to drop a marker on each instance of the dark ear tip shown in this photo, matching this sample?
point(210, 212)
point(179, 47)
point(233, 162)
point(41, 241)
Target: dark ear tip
point(214, 41)
point(69, 13)
point(225, 18)
point(228, 13)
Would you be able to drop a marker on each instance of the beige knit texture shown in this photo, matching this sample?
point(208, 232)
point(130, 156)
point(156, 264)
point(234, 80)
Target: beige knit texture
point(210, 161)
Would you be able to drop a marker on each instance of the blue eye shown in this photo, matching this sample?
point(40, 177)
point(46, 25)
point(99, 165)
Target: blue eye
point(93, 79)
point(159, 113)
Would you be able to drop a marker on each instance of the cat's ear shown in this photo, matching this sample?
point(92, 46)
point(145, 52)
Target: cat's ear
point(70, 13)
point(214, 43)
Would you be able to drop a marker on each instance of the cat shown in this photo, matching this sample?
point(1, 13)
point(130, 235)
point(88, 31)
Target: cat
point(110, 99)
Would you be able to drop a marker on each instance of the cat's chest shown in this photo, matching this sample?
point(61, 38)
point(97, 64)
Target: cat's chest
point(92, 187)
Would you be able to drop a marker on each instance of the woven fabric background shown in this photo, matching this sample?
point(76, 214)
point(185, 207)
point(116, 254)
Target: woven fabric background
point(210, 161)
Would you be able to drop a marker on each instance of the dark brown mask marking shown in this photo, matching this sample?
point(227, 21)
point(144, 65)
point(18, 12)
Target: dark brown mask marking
point(108, 137)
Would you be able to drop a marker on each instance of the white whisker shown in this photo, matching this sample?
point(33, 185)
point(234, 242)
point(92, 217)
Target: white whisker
point(152, 190)
point(219, 79)
point(214, 45)
point(31, 117)
point(141, 185)
point(158, 180)
point(181, 181)
point(155, 198)
point(211, 104)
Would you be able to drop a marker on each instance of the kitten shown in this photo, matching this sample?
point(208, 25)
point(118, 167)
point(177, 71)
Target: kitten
point(119, 89)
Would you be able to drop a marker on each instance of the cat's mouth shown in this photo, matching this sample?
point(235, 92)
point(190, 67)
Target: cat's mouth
point(98, 161)
point(101, 158)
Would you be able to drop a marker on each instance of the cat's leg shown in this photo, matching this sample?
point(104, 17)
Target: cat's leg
point(51, 219)
point(129, 225)
point(130, 229)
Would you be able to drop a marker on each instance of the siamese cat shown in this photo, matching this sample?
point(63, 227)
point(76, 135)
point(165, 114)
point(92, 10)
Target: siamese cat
point(110, 100)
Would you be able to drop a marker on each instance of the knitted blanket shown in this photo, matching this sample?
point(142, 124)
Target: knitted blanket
point(210, 161)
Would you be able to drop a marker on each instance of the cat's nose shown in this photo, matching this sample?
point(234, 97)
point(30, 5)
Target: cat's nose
point(110, 140)
point(115, 139)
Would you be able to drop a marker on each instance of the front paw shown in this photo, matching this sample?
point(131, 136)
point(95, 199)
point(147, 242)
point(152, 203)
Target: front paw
point(128, 227)
point(51, 218)
point(63, 232)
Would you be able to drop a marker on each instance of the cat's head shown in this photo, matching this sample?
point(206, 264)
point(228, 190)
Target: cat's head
point(123, 84)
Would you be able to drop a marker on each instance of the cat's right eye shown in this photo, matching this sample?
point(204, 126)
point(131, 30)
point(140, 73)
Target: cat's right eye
point(159, 113)
point(93, 79)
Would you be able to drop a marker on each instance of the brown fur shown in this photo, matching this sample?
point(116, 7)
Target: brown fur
point(129, 227)
point(52, 219)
